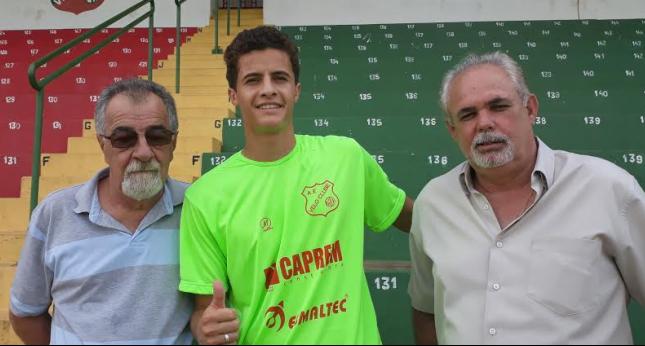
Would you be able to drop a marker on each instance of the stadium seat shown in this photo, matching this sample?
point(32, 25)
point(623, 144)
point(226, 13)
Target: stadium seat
point(69, 99)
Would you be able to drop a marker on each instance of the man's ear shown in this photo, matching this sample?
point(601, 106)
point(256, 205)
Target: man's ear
point(533, 106)
point(451, 126)
point(102, 145)
point(232, 96)
point(298, 90)
point(101, 142)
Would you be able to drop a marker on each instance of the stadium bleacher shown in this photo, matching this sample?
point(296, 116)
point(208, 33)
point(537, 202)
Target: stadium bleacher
point(69, 99)
point(376, 83)
point(380, 83)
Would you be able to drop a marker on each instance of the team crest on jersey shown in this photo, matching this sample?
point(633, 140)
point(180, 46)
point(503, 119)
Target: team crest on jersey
point(320, 199)
point(76, 6)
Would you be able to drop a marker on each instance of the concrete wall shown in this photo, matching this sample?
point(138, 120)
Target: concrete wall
point(338, 12)
point(40, 14)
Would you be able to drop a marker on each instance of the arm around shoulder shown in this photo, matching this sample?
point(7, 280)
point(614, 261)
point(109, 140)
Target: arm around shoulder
point(425, 332)
point(404, 221)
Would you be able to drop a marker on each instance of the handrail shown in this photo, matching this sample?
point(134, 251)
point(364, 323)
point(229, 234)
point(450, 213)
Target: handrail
point(228, 17)
point(40, 84)
point(178, 45)
point(216, 49)
point(239, 13)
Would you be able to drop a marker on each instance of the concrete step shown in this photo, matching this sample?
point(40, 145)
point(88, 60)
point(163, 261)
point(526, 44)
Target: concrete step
point(214, 91)
point(47, 185)
point(185, 144)
point(189, 62)
point(14, 214)
point(199, 101)
point(168, 81)
point(7, 336)
point(202, 73)
point(10, 246)
point(189, 114)
point(71, 165)
point(7, 273)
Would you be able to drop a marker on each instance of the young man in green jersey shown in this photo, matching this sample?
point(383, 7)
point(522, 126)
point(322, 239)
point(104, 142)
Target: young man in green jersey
point(281, 223)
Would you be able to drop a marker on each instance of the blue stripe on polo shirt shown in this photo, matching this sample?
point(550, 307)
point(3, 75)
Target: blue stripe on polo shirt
point(112, 252)
point(62, 337)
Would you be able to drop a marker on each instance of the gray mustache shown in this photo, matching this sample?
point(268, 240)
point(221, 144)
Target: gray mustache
point(138, 166)
point(489, 137)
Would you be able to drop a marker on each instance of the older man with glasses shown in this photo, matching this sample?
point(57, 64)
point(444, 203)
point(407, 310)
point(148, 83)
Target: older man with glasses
point(105, 253)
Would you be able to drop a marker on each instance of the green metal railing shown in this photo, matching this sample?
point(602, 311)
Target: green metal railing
point(228, 18)
point(178, 45)
point(239, 13)
point(40, 84)
point(217, 49)
point(228, 15)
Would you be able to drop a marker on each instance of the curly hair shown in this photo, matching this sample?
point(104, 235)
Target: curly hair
point(259, 38)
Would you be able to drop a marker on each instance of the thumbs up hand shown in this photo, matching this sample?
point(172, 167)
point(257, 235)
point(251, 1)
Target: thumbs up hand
point(218, 324)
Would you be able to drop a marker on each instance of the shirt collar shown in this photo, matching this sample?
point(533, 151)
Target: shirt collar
point(543, 172)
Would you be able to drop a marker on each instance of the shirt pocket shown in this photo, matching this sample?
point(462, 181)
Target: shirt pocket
point(561, 276)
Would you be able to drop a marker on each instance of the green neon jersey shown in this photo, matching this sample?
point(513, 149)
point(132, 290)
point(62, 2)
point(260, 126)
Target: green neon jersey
point(286, 239)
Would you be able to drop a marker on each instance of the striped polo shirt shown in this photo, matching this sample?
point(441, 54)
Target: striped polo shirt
point(107, 285)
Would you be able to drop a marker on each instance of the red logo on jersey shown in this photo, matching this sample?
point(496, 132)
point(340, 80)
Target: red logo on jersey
point(320, 199)
point(277, 312)
point(76, 6)
point(318, 312)
point(306, 262)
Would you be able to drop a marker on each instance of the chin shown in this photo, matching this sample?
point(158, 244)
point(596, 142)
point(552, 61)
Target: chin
point(272, 126)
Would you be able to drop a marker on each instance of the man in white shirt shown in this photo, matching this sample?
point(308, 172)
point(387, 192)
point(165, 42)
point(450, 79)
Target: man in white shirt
point(522, 243)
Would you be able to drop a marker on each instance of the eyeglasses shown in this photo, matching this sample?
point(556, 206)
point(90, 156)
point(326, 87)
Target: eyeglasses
point(127, 137)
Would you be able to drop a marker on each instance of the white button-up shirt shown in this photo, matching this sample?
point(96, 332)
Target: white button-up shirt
point(561, 273)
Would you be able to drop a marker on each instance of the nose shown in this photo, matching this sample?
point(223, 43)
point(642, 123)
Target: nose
point(268, 88)
point(142, 150)
point(485, 120)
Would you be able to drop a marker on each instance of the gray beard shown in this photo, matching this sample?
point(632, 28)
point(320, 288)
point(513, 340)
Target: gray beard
point(491, 159)
point(142, 186)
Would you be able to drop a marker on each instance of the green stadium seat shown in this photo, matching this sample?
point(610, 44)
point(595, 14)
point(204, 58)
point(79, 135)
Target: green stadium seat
point(389, 290)
point(380, 83)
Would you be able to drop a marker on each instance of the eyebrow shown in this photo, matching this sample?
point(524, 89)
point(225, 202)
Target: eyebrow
point(273, 74)
point(281, 73)
point(251, 75)
point(498, 100)
point(466, 110)
point(495, 101)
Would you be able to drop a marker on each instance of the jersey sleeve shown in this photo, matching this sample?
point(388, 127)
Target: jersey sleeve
point(30, 292)
point(201, 258)
point(383, 200)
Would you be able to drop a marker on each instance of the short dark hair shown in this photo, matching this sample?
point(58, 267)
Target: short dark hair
point(259, 38)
